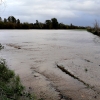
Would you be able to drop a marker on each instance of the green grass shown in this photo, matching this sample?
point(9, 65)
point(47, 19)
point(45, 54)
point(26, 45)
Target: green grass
point(10, 84)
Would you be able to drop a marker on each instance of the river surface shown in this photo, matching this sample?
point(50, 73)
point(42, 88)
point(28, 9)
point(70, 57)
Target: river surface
point(36, 54)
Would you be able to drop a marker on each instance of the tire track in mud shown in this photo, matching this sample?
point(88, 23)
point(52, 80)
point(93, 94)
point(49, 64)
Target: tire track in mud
point(75, 77)
point(62, 97)
point(70, 74)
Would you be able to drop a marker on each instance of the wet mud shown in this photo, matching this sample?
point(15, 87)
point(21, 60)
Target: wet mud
point(54, 65)
point(70, 74)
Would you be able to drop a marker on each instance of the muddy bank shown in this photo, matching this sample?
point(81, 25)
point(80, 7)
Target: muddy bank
point(34, 58)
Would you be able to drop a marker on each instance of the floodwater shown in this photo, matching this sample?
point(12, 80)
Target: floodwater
point(35, 54)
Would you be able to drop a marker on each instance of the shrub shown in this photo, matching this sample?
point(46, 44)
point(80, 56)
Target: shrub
point(10, 85)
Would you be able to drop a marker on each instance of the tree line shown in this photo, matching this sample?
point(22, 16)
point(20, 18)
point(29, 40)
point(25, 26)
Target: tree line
point(12, 23)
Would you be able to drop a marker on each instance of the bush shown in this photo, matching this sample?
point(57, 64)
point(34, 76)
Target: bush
point(10, 85)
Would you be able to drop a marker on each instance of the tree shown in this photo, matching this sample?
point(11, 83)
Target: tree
point(17, 21)
point(54, 23)
point(12, 19)
point(0, 19)
point(37, 21)
point(48, 24)
point(25, 25)
point(96, 28)
point(38, 25)
point(62, 26)
point(71, 26)
point(5, 20)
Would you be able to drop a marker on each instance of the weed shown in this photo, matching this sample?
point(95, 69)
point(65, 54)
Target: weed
point(10, 85)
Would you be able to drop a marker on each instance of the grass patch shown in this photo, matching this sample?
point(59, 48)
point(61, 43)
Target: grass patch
point(10, 84)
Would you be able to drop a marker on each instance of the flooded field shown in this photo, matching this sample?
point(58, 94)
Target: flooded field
point(55, 64)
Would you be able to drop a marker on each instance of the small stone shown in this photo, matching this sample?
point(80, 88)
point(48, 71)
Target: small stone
point(35, 76)
point(19, 48)
point(30, 88)
point(95, 96)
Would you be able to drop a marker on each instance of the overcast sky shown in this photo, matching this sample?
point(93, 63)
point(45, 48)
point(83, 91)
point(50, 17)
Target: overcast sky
point(77, 12)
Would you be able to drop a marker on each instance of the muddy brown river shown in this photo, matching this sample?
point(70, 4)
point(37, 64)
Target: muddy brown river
point(54, 64)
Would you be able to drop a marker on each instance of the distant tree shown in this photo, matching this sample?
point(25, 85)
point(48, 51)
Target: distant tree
point(38, 25)
point(25, 25)
point(12, 19)
point(48, 24)
point(0, 19)
point(62, 26)
point(12, 23)
point(71, 26)
point(96, 28)
point(17, 21)
point(5, 20)
point(54, 23)
point(31, 25)
point(1, 23)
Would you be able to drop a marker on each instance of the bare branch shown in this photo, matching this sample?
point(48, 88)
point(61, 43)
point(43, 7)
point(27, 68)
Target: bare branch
point(96, 28)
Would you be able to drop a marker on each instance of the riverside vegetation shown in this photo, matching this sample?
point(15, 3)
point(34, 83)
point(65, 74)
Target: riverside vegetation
point(10, 84)
point(95, 30)
point(12, 23)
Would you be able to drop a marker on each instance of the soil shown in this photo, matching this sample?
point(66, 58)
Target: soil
point(37, 63)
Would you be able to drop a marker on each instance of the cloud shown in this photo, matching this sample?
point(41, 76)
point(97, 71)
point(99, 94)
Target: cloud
point(30, 10)
point(88, 6)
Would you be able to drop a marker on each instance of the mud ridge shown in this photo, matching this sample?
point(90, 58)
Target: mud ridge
point(73, 76)
point(62, 97)
point(14, 46)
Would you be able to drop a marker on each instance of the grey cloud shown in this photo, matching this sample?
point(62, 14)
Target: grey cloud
point(61, 9)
